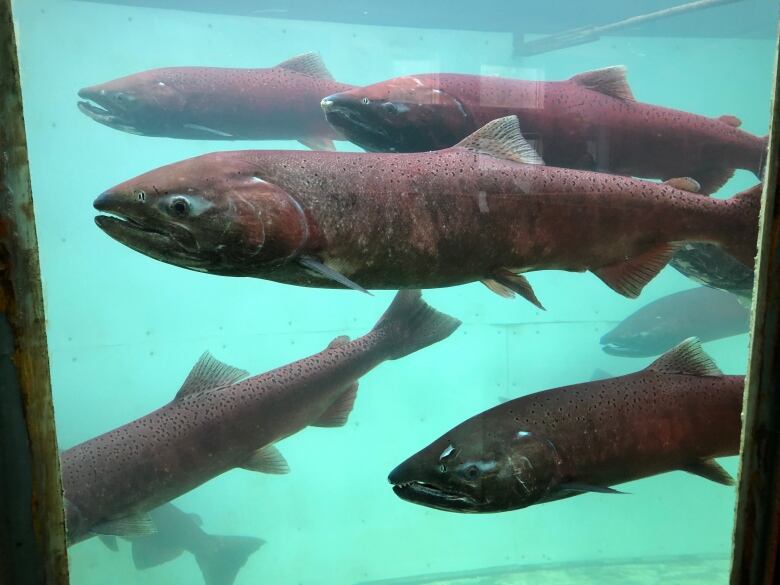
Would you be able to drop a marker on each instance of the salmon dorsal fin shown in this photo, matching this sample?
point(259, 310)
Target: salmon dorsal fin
point(209, 373)
point(687, 357)
point(338, 412)
point(502, 138)
point(267, 459)
point(310, 64)
point(610, 81)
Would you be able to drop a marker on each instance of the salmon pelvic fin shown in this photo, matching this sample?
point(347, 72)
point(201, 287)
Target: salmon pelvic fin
point(686, 358)
point(610, 81)
point(506, 283)
point(502, 138)
point(310, 64)
point(630, 276)
point(411, 324)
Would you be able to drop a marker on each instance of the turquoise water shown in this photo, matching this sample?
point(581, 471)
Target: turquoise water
point(124, 329)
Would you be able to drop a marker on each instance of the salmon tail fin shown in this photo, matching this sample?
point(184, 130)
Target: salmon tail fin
point(223, 558)
point(411, 324)
point(740, 237)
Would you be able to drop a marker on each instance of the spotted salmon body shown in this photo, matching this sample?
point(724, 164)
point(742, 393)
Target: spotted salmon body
point(473, 212)
point(590, 121)
point(217, 423)
point(678, 414)
point(216, 103)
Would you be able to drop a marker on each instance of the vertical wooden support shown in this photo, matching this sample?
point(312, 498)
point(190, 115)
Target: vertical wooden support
point(755, 560)
point(32, 529)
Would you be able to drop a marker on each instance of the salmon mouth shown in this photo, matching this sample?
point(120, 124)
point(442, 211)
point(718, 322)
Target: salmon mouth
point(108, 108)
point(432, 496)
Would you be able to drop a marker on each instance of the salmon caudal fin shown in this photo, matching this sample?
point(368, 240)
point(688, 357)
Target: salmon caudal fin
point(411, 324)
point(740, 236)
point(223, 558)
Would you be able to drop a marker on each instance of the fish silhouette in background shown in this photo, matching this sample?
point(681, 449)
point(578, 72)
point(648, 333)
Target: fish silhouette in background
point(388, 221)
point(679, 413)
point(705, 313)
point(590, 121)
point(709, 265)
point(217, 103)
point(219, 557)
point(217, 422)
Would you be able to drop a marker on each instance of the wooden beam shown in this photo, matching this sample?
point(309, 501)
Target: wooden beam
point(755, 556)
point(32, 528)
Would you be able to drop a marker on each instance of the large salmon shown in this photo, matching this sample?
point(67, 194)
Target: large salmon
point(388, 221)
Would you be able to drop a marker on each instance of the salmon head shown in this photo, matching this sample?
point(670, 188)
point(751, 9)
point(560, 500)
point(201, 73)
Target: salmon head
point(151, 103)
point(212, 213)
point(478, 468)
point(405, 114)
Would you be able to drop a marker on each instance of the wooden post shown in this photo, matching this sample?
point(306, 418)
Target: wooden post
point(32, 528)
point(755, 554)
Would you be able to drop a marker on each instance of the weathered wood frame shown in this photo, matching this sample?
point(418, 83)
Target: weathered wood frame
point(32, 527)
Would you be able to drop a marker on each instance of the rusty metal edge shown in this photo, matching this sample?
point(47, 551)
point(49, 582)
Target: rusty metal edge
point(755, 547)
point(31, 514)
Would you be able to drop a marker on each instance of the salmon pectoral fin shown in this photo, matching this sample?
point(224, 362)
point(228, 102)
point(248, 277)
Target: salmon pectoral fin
point(267, 459)
point(338, 412)
point(686, 358)
point(584, 487)
point(327, 272)
point(506, 283)
point(318, 144)
point(709, 469)
point(209, 373)
point(630, 276)
point(152, 551)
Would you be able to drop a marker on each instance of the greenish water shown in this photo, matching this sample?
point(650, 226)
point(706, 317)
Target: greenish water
point(124, 330)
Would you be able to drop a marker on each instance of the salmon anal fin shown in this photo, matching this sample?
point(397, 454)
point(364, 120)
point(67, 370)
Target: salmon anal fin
point(338, 412)
point(506, 283)
point(153, 551)
point(710, 469)
point(630, 276)
point(684, 184)
point(310, 64)
point(318, 144)
point(686, 358)
point(209, 373)
point(731, 120)
point(610, 81)
point(267, 459)
point(502, 138)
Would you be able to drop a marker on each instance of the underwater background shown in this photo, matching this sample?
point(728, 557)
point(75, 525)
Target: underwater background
point(124, 330)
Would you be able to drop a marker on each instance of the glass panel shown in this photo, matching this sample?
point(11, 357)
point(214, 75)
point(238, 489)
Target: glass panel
point(125, 328)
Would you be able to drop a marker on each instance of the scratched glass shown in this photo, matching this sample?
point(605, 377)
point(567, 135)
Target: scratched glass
point(482, 151)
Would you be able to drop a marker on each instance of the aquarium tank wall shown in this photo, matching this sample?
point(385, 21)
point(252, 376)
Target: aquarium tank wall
point(594, 193)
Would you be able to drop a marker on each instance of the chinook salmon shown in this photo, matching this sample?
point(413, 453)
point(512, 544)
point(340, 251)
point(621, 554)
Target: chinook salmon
point(216, 423)
point(219, 558)
point(388, 221)
point(705, 313)
point(678, 414)
point(590, 121)
point(215, 103)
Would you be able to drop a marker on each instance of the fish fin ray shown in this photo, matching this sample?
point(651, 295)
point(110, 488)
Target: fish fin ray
point(732, 121)
point(630, 276)
point(412, 324)
point(610, 81)
point(506, 283)
point(267, 459)
point(324, 270)
point(502, 138)
point(687, 358)
point(209, 373)
point(318, 144)
point(310, 64)
point(584, 487)
point(338, 412)
point(684, 184)
point(152, 551)
point(224, 556)
point(128, 526)
point(710, 469)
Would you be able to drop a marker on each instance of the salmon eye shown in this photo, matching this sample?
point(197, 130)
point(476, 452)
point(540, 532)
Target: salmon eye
point(472, 472)
point(365, 101)
point(179, 207)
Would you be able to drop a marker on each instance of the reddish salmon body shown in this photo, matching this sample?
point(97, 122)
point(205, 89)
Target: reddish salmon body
point(436, 219)
point(213, 103)
point(678, 414)
point(590, 121)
